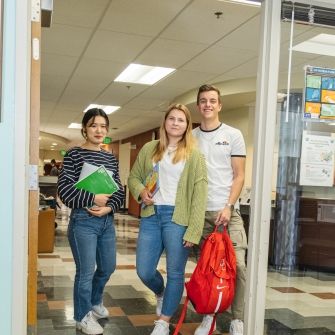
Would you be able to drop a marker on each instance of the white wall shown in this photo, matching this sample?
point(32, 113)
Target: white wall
point(243, 119)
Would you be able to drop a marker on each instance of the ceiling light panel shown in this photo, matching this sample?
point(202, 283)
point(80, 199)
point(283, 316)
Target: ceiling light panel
point(322, 44)
point(143, 74)
point(106, 108)
point(75, 125)
point(256, 3)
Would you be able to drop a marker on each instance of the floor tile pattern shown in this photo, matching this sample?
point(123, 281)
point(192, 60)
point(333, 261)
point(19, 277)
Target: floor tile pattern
point(297, 303)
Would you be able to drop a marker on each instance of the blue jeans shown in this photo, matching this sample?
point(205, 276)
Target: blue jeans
point(158, 233)
point(92, 241)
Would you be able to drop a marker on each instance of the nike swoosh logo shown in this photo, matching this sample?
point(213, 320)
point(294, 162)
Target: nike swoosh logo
point(220, 287)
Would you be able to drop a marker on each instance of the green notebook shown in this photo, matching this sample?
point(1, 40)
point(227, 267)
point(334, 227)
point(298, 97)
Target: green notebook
point(98, 182)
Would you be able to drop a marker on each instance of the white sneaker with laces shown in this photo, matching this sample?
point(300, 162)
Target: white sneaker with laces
point(205, 326)
point(236, 327)
point(159, 305)
point(161, 328)
point(100, 311)
point(89, 325)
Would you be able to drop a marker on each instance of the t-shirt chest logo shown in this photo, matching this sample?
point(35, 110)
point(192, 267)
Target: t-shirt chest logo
point(222, 143)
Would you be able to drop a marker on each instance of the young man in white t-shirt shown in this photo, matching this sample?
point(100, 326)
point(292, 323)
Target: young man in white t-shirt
point(224, 150)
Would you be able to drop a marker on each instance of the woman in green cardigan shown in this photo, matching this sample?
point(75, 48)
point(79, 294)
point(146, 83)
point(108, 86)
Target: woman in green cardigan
point(172, 215)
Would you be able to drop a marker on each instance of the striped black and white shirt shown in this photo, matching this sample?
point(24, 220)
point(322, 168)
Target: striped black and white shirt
point(69, 175)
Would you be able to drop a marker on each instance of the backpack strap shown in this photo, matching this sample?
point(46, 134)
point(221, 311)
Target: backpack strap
point(182, 317)
point(211, 330)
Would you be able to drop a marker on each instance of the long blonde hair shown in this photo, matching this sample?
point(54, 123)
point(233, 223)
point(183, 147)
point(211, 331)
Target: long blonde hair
point(185, 144)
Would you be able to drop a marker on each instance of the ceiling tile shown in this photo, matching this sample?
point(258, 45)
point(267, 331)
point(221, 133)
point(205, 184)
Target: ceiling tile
point(118, 94)
point(199, 24)
point(58, 64)
point(245, 70)
point(169, 53)
point(52, 86)
point(65, 40)
point(228, 59)
point(119, 47)
point(246, 37)
point(184, 78)
point(145, 18)
point(81, 13)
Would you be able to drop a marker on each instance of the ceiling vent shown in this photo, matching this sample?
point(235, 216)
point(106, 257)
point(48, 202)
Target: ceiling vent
point(308, 14)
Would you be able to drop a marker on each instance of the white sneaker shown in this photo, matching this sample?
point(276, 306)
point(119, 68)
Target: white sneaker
point(236, 327)
point(161, 328)
point(89, 325)
point(205, 326)
point(159, 305)
point(100, 311)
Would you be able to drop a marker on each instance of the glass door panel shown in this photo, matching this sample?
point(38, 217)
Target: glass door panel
point(301, 265)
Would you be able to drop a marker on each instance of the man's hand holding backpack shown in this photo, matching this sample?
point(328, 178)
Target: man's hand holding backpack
point(211, 287)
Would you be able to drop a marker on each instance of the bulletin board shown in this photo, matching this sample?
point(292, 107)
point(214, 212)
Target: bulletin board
point(319, 95)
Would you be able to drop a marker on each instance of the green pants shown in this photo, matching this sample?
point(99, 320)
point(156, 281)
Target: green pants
point(239, 239)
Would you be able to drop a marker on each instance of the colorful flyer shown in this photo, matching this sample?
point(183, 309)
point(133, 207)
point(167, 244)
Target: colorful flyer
point(314, 109)
point(328, 83)
point(327, 111)
point(313, 81)
point(328, 97)
point(319, 94)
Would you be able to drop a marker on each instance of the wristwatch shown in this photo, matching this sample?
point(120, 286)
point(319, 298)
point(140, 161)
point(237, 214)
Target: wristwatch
point(231, 206)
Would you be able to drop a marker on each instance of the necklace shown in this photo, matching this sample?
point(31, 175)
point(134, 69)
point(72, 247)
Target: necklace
point(171, 149)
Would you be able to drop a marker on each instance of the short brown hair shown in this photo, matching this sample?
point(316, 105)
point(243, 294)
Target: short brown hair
point(207, 88)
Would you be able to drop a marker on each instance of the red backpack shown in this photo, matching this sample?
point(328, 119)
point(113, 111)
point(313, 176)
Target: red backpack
point(211, 288)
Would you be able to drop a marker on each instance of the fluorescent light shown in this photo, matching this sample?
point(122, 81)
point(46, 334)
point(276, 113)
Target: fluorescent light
point(143, 74)
point(107, 109)
point(256, 3)
point(75, 125)
point(322, 44)
point(54, 143)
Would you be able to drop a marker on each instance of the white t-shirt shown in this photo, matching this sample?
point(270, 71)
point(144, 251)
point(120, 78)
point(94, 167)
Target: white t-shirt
point(218, 146)
point(169, 175)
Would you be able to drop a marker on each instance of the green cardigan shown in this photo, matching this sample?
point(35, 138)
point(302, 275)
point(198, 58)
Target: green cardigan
point(191, 197)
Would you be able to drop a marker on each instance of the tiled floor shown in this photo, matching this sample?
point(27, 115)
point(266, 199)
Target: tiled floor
point(303, 304)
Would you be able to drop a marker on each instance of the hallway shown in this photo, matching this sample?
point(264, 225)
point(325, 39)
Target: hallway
point(291, 309)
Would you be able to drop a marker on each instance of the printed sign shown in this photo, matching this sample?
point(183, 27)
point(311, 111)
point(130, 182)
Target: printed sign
point(107, 140)
point(317, 160)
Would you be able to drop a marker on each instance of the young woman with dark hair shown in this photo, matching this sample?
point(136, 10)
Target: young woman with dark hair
point(91, 231)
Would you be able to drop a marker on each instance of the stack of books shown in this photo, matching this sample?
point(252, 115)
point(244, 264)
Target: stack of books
point(151, 182)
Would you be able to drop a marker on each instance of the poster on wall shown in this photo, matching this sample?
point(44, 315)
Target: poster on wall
point(319, 103)
point(317, 160)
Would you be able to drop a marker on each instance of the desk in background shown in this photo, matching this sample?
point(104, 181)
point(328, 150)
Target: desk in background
point(46, 230)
